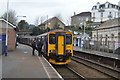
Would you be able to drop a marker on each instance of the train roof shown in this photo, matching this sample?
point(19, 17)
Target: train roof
point(52, 31)
point(57, 30)
point(28, 36)
point(42, 34)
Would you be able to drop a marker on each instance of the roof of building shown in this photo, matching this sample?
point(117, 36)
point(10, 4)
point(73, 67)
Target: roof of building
point(102, 6)
point(109, 24)
point(83, 14)
point(95, 23)
point(1, 19)
point(50, 20)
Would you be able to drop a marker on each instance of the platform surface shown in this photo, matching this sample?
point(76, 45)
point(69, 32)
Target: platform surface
point(104, 54)
point(21, 64)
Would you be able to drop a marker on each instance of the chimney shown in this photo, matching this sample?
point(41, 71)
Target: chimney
point(74, 13)
point(98, 3)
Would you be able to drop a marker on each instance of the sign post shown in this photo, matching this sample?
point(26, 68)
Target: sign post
point(6, 45)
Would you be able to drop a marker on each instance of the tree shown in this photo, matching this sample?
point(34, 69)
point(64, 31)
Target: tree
point(59, 16)
point(48, 29)
point(89, 28)
point(12, 18)
point(37, 21)
point(36, 31)
point(42, 19)
point(89, 22)
point(23, 25)
point(68, 21)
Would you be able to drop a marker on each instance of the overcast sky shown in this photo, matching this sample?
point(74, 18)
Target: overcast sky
point(38, 8)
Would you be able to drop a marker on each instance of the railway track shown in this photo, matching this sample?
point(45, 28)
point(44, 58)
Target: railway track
point(112, 62)
point(68, 73)
point(113, 73)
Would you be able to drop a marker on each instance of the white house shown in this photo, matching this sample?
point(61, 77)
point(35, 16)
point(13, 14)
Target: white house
point(106, 11)
point(119, 3)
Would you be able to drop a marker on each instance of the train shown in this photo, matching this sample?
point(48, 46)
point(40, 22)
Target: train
point(57, 46)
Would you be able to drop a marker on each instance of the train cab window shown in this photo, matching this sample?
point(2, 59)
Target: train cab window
point(52, 39)
point(68, 39)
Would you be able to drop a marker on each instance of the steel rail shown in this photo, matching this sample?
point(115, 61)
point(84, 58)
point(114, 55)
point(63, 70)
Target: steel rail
point(80, 76)
point(97, 64)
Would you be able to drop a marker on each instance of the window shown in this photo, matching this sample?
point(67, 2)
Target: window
point(119, 37)
point(118, 14)
point(87, 18)
point(52, 39)
point(68, 39)
point(108, 5)
point(101, 14)
point(115, 14)
point(102, 6)
point(112, 37)
point(113, 6)
point(106, 39)
point(94, 8)
point(94, 37)
point(93, 14)
point(109, 13)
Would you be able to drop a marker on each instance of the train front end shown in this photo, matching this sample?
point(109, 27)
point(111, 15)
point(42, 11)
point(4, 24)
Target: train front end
point(60, 47)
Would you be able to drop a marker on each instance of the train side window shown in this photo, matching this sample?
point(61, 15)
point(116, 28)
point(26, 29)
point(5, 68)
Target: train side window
point(68, 39)
point(52, 39)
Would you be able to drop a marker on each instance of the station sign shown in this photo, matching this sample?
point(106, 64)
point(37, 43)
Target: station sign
point(2, 37)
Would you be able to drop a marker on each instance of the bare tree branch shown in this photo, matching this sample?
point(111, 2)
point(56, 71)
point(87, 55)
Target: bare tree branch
point(11, 16)
point(59, 16)
point(37, 21)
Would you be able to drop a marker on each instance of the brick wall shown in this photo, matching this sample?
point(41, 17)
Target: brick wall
point(11, 38)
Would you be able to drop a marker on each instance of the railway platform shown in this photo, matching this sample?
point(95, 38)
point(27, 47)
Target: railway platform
point(21, 64)
point(104, 54)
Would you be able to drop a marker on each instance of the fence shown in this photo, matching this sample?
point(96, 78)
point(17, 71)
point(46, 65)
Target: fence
point(108, 46)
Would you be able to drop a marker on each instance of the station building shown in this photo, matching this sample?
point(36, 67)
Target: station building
point(108, 34)
point(11, 35)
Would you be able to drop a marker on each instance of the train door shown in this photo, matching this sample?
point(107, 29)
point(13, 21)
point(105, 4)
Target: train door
point(60, 43)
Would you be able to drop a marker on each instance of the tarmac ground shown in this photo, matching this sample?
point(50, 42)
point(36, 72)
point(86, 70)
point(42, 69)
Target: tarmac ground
point(21, 64)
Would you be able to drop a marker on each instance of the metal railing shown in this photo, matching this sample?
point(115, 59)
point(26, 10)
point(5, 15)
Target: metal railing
point(109, 46)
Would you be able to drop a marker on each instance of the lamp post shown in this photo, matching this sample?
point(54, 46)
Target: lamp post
point(47, 21)
point(6, 45)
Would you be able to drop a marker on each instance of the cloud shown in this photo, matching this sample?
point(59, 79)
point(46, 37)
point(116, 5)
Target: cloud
point(33, 8)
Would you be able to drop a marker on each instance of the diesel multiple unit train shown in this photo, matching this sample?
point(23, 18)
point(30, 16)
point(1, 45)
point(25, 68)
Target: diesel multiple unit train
point(58, 45)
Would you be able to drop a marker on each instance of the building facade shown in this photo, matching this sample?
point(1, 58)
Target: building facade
point(108, 34)
point(79, 20)
point(106, 11)
point(11, 35)
point(52, 23)
point(119, 3)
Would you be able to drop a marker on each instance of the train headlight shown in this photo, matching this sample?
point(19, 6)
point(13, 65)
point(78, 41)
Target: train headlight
point(52, 51)
point(68, 50)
